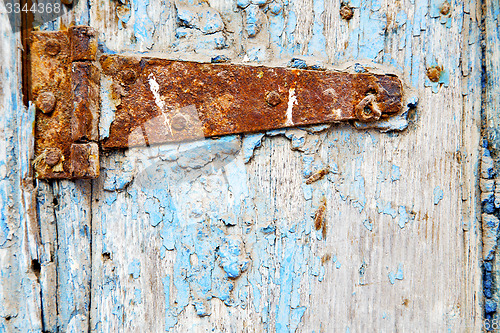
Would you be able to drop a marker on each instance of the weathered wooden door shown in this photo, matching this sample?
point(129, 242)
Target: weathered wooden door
point(219, 234)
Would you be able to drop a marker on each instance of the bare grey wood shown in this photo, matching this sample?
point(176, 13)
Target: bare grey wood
point(402, 249)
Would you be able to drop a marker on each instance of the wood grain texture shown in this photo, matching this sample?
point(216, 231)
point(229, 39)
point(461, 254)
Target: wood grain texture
point(64, 215)
point(20, 247)
point(191, 237)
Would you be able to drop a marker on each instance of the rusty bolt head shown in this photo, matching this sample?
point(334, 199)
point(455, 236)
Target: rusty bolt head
point(346, 12)
point(433, 73)
point(52, 48)
point(445, 8)
point(46, 102)
point(273, 98)
point(179, 122)
point(52, 157)
point(129, 76)
point(367, 109)
point(67, 2)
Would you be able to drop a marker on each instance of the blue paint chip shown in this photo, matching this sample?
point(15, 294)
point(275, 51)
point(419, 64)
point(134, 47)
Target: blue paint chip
point(297, 63)
point(230, 253)
point(144, 28)
point(438, 195)
point(256, 54)
point(490, 306)
point(250, 143)
point(252, 20)
point(368, 224)
point(268, 230)
point(201, 309)
point(137, 296)
point(211, 22)
point(404, 217)
point(412, 102)
point(134, 268)
point(488, 204)
point(274, 7)
point(243, 3)
point(358, 68)
point(398, 275)
point(219, 59)
point(395, 173)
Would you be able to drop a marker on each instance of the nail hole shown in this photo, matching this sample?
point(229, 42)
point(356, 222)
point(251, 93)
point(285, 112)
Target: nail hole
point(367, 110)
point(36, 267)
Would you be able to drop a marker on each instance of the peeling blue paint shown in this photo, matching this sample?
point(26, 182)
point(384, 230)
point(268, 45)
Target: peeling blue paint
point(252, 20)
point(144, 28)
point(250, 143)
point(230, 252)
point(317, 44)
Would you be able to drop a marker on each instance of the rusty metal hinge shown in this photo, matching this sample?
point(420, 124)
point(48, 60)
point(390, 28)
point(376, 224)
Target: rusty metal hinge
point(159, 100)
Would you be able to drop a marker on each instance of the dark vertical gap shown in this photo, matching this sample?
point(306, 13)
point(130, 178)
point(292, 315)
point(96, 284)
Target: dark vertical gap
point(89, 314)
point(55, 198)
point(26, 28)
point(487, 135)
point(90, 253)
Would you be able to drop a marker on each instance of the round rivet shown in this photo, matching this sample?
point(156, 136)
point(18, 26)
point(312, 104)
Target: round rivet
point(445, 8)
point(179, 123)
point(129, 76)
point(434, 73)
point(52, 157)
point(46, 102)
point(52, 48)
point(273, 98)
point(346, 12)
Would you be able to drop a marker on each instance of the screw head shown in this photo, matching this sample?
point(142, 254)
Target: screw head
point(46, 102)
point(52, 48)
point(273, 98)
point(179, 122)
point(129, 76)
point(52, 157)
point(366, 110)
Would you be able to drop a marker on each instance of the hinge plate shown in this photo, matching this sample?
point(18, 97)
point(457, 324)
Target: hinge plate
point(159, 100)
point(164, 100)
point(65, 88)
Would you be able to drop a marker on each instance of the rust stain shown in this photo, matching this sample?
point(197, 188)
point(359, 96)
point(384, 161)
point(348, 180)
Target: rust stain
point(64, 86)
point(219, 99)
point(317, 175)
point(319, 217)
point(326, 258)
